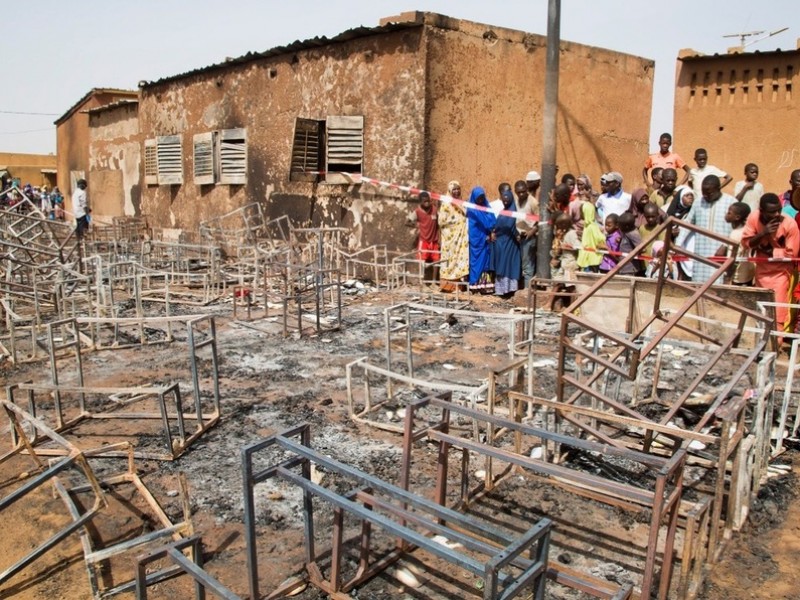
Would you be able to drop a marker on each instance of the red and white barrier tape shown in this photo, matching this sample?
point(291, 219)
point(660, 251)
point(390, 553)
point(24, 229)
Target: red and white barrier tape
point(359, 178)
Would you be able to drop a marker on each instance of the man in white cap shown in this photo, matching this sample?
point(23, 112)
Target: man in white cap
point(533, 180)
point(613, 201)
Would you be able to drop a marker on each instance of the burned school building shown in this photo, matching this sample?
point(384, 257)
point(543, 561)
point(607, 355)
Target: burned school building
point(419, 100)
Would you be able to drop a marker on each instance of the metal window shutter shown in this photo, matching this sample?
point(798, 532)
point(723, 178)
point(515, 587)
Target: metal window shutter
point(204, 158)
point(345, 137)
point(170, 160)
point(150, 162)
point(306, 151)
point(233, 156)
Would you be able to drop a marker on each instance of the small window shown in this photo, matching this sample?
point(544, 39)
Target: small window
point(150, 162)
point(307, 150)
point(170, 160)
point(204, 163)
point(344, 147)
point(233, 156)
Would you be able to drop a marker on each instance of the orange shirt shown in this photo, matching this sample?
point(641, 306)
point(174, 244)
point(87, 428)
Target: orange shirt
point(784, 244)
point(666, 161)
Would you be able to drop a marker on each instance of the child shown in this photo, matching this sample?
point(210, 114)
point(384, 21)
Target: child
point(659, 256)
point(630, 239)
point(564, 259)
point(743, 271)
point(704, 169)
point(564, 254)
point(750, 190)
point(655, 183)
point(592, 240)
point(425, 218)
point(613, 236)
point(664, 158)
point(652, 219)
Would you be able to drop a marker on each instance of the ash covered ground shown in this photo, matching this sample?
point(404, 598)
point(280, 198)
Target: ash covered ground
point(270, 383)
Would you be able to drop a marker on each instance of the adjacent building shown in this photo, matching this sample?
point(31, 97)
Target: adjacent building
point(741, 107)
point(72, 135)
point(36, 169)
point(419, 100)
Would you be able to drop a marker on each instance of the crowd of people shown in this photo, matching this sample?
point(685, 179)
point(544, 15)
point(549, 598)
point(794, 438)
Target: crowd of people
point(50, 202)
point(490, 245)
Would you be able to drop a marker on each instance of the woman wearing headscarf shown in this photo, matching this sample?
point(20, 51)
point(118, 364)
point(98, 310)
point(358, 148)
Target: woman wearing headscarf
point(679, 208)
point(585, 191)
point(639, 199)
point(506, 257)
point(454, 240)
point(481, 226)
point(593, 239)
point(681, 202)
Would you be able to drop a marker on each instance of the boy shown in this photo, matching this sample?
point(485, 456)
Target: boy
point(629, 239)
point(770, 234)
point(664, 159)
point(744, 271)
point(750, 190)
point(425, 217)
point(655, 175)
point(703, 170)
point(652, 219)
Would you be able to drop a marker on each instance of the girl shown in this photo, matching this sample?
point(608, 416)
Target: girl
point(592, 240)
point(613, 237)
point(679, 208)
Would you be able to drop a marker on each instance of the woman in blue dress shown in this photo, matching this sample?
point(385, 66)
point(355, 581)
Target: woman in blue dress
point(506, 258)
point(481, 226)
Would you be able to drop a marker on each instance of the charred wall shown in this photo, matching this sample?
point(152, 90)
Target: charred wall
point(115, 162)
point(380, 77)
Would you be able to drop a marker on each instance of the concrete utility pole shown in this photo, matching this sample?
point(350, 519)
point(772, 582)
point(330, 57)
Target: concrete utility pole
point(549, 125)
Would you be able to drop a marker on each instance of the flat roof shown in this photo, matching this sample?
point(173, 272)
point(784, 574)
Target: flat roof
point(689, 55)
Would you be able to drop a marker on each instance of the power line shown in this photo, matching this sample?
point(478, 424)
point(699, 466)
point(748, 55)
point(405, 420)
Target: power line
point(17, 112)
point(26, 131)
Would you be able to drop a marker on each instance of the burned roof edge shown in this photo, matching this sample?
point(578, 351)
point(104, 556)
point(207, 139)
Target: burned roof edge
point(408, 20)
point(111, 106)
point(316, 42)
point(71, 110)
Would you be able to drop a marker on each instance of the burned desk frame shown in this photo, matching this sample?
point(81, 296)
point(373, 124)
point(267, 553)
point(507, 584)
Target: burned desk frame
point(398, 329)
point(703, 533)
point(663, 500)
point(29, 431)
point(191, 565)
point(23, 424)
point(97, 553)
point(65, 417)
point(634, 348)
point(635, 345)
point(409, 517)
point(293, 287)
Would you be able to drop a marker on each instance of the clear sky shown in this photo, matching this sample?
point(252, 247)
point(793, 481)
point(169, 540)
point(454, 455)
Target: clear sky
point(54, 51)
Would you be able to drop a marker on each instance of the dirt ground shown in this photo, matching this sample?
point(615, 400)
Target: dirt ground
point(270, 383)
